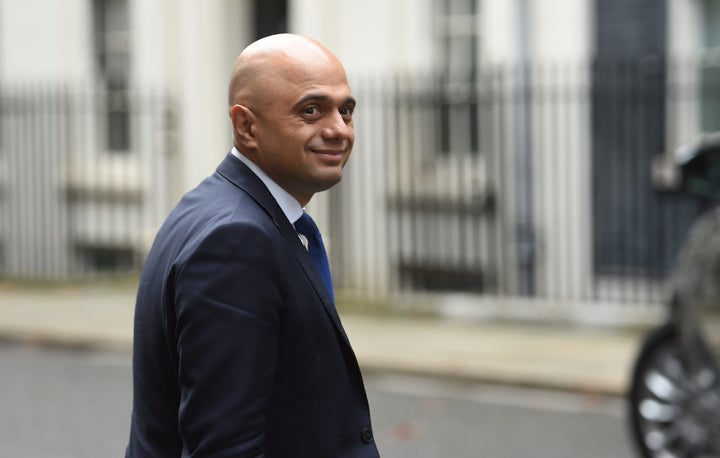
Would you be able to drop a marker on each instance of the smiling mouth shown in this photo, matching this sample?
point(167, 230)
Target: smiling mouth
point(338, 148)
point(326, 152)
point(330, 157)
point(334, 152)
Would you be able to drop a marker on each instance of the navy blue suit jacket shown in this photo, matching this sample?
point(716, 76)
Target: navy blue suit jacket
point(238, 349)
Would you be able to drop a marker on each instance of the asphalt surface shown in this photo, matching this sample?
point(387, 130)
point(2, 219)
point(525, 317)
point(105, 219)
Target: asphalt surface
point(70, 403)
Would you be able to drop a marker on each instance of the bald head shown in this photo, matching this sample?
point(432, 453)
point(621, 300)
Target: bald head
point(278, 55)
point(292, 112)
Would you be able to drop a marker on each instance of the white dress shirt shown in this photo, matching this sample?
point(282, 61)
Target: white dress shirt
point(288, 204)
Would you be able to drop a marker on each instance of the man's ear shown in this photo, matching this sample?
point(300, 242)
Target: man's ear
point(242, 121)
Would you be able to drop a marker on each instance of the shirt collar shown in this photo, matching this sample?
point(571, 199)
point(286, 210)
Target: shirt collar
point(288, 204)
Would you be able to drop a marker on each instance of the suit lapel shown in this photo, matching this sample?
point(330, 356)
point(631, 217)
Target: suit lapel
point(241, 176)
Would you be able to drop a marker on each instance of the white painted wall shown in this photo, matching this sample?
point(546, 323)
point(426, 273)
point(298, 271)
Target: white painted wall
point(205, 43)
point(561, 30)
point(184, 49)
point(556, 32)
point(151, 22)
point(684, 43)
point(44, 41)
point(369, 36)
point(499, 26)
point(555, 29)
point(685, 27)
point(561, 36)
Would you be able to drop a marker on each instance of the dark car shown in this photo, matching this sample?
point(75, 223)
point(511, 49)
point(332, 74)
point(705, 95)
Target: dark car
point(674, 397)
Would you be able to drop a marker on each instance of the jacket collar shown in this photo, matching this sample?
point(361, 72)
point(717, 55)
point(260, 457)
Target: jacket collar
point(289, 205)
point(240, 175)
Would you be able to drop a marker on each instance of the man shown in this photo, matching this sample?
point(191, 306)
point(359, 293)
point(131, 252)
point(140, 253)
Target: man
point(238, 350)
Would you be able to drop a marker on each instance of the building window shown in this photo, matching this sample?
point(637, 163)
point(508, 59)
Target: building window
point(112, 61)
point(270, 17)
point(457, 54)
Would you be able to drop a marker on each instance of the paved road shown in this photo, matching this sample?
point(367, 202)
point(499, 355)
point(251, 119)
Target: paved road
point(74, 404)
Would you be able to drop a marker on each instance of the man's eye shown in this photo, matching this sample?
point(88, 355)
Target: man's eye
point(346, 111)
point(311, 111)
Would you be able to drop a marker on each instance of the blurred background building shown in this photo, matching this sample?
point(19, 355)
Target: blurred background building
point(505, 149)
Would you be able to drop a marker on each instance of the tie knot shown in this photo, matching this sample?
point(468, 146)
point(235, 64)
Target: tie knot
point(307, 227)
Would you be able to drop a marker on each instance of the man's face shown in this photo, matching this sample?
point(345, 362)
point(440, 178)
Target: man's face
point(304, 126)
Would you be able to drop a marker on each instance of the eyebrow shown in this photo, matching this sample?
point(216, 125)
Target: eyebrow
point(322, 98)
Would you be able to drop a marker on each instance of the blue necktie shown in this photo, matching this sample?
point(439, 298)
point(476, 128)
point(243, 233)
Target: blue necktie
point(316, 249)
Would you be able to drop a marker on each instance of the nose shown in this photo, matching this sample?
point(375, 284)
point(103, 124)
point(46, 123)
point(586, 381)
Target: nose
point(337, 127)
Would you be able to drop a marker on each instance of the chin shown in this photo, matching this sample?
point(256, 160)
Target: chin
point(329, 180)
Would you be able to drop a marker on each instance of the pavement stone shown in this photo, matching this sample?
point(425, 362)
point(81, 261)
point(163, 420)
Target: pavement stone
point(564, 357)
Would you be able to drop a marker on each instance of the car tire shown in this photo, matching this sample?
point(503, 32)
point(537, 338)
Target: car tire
point(673, 408)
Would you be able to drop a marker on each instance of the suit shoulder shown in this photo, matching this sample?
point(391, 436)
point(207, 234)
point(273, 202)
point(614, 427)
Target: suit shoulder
point(226, 215)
